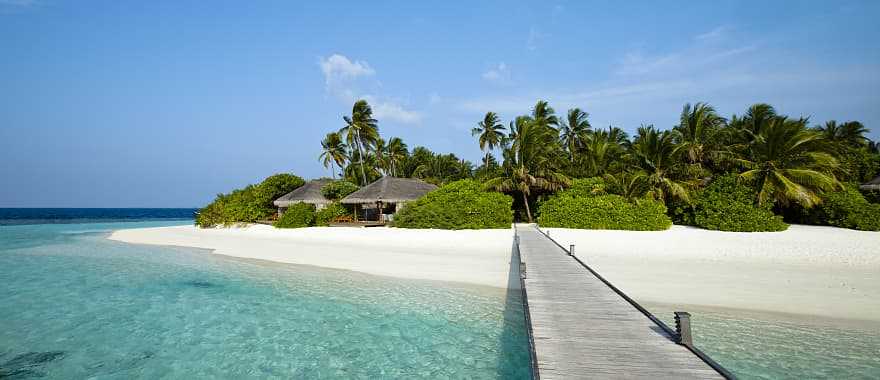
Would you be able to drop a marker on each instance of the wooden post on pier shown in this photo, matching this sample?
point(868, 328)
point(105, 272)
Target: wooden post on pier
point(683, 328)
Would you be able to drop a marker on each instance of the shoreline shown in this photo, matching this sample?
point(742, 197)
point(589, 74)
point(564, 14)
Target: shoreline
point(807, 273)
point(476, 257)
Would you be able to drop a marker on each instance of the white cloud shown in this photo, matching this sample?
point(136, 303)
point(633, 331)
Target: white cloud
point(499, 74)
point(339, 71)
point(713, 34)
point(434, 98)
point(535, 37)
point(344, 79)
point(395, 112)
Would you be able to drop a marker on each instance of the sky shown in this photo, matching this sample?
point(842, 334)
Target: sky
point(167, 103)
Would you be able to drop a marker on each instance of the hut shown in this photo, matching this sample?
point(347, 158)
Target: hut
point(872, 185)
point(378, 200)
point(308, 193)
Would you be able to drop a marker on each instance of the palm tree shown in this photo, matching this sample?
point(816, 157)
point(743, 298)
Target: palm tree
point(696, 132)
point(788, 163)
point(333, 151)
point(849, 134)
point(630, 185)
point(574, 130)
point(530, 162)
point(545, 116)
point(360, 131)
point(490, 132)
point(395, 153)
point(654, 153)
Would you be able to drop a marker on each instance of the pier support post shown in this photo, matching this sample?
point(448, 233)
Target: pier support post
point(571, 249)
point(683, 328)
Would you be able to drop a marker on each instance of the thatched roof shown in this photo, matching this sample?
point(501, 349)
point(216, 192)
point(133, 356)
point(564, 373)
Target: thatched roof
point(308, 193)
point(873, 184)
point(390, 190)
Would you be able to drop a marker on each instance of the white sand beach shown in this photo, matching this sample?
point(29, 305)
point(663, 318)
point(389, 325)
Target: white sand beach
point(806, 270)
point(480, 257)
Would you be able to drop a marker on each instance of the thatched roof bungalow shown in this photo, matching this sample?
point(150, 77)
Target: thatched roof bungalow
point(308, 193)
point(873, 184)
point(386, 195)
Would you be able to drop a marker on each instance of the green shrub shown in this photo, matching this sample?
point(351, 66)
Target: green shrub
point(577, 207)
point(338, 189)
point(586, 187)
point(728, 205)
point(847, 208)
point(331, 211)
point(298, 215)
point(457, 205)
point(247, 205)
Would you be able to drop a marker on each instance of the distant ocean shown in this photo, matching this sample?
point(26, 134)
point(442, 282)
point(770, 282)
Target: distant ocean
point(18, 216)
point(75, 305)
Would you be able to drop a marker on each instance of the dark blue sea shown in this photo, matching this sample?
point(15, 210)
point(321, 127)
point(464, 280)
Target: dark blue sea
point(18, 216)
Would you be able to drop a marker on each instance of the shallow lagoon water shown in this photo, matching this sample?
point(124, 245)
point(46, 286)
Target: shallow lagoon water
point(76, 305)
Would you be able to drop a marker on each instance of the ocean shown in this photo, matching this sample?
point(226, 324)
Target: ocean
point(76, 305)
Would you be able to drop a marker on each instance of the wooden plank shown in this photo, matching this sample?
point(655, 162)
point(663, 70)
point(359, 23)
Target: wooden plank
point(583, 329)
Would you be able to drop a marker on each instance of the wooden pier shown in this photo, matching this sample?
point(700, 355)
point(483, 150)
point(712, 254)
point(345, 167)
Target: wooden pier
point(581, 326)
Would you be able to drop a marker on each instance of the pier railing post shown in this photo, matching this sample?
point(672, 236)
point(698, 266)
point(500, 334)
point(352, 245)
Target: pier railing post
point(683, 328)
point(571, 249)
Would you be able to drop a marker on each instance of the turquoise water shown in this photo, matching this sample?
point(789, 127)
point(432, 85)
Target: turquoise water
point(76, 305)
point(767, 346)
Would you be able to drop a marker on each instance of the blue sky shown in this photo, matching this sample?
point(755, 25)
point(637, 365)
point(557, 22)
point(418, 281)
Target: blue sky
point(166, 103)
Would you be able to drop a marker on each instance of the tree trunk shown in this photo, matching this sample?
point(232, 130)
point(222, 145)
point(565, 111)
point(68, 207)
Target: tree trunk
point(528, 210)
point(486, 164)
point(361, 152)
point(332, 170)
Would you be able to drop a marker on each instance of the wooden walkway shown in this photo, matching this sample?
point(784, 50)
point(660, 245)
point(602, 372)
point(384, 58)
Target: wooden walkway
point(582, 328)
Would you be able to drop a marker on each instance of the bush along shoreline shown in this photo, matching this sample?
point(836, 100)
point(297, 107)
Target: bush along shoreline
point(586, 206)
point(455, 206)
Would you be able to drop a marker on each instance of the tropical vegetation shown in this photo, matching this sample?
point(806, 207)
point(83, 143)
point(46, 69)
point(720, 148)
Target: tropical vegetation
point(587, 205)
point(249, 204)
point(781, 163)
point(457, 205)
point(298, 215)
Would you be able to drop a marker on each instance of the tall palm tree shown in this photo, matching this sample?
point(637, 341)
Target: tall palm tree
point(545, 116)
point(360, 131)
point(573, 131)
point(395, 153)
point(849, 134)
point(530, 162)
point(743, 129)
point(696, 132)
point(788, 163)
point(333, 151)
point(490, 132)
point(654, 153)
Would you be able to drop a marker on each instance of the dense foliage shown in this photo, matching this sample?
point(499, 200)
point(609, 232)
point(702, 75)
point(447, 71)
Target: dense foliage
point(298, 215)
point(586, 205)
point(457, 205)
point(727, 204)
point(847, 209)
point(324, 216)
point(249, 204)
point(338, 189)
point(790, 163)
